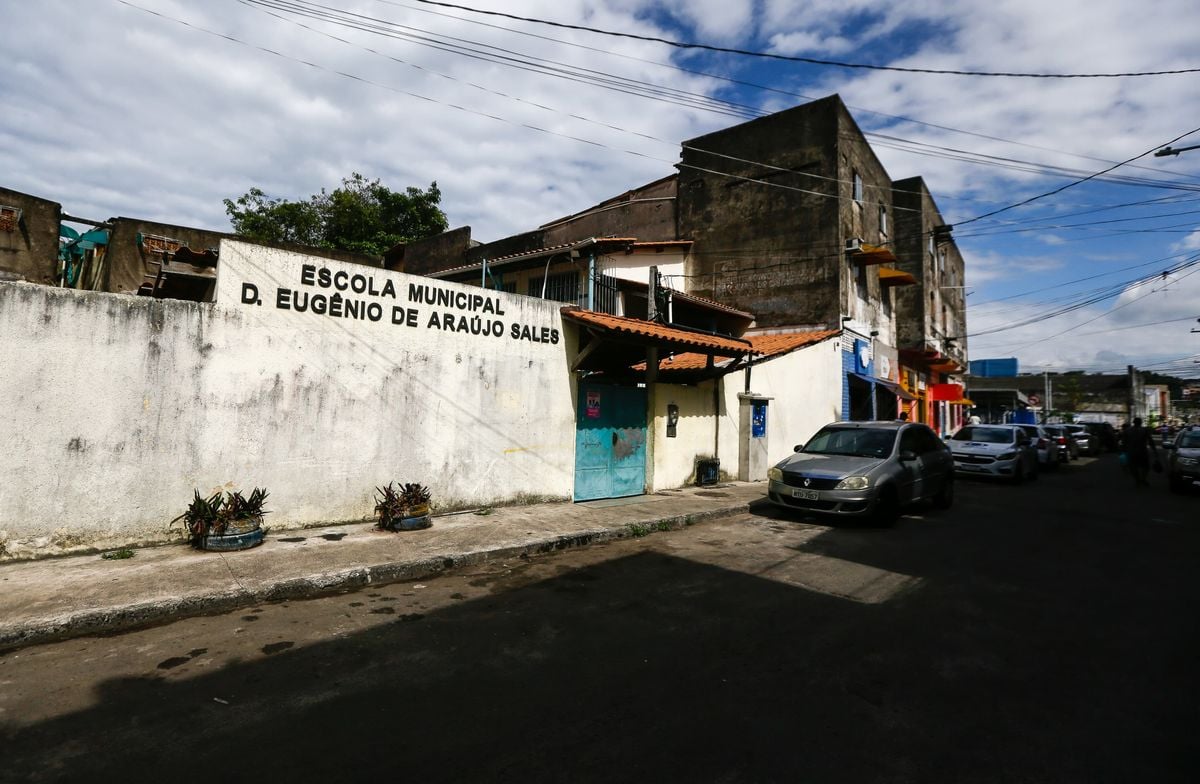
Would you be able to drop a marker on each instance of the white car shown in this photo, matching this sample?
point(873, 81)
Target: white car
point(1004, 451)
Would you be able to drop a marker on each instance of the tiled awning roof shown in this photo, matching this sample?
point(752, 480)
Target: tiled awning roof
point(764, 347)
point(653, 333)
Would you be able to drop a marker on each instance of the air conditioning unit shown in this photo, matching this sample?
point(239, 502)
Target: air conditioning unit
point(853, 245)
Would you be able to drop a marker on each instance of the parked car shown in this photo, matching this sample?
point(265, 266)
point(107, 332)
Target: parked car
point(1047, 449)
point(994, 450)
point(864, 470)
point(1068, 449)
point(1087, 443)
point(1183, 459)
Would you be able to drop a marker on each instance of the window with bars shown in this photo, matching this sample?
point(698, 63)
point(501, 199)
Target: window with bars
point(562, 286)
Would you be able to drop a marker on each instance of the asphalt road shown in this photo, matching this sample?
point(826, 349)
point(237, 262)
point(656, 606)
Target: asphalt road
point(1041, 633)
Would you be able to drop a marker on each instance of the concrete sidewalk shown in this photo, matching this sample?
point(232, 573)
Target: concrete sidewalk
point(57, 598)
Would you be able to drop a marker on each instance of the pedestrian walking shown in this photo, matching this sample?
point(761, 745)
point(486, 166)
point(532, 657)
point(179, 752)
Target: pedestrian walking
point(1138, 447)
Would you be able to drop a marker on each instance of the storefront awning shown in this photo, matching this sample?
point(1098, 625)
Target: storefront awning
point(872, 254)
point(889, 276)
point(891, 386)
point(897, 390)
point(948, 393)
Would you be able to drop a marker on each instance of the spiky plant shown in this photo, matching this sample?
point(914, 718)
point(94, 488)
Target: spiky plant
point(393, 505)
point(203, 514)
point(239, 508)
point(214, 514)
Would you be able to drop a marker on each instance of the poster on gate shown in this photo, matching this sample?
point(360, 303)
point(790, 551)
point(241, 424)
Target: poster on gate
point(593, 405)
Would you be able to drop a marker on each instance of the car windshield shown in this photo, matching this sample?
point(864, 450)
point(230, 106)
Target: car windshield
point(854, 441)
point(1190, 440)
point(986, 435)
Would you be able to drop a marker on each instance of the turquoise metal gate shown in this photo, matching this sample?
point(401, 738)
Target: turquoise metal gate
point(610, 442)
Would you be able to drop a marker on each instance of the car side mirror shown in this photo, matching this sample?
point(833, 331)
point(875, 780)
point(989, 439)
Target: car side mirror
point(1168, 446)
point(907, 455)
point(798, 447)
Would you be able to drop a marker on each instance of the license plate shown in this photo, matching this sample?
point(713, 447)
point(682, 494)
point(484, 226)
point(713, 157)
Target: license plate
point(966, 467)
point(807, 495)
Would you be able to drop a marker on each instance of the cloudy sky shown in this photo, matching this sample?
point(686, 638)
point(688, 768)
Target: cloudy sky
point(162, 108)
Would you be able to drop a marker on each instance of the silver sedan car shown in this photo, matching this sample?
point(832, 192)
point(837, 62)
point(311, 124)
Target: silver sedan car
point(995, 450)
point(864, 470)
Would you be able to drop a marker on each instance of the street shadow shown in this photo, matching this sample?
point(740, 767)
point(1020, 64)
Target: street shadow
point(1032, 650)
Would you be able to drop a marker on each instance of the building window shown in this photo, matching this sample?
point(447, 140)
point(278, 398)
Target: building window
point(562, 287)
point(932, 250)
point(857, 188)
point(883, 226)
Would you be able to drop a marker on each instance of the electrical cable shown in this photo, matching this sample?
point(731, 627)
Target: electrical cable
point(808, 60)
point(753, 85)
point(1072, 184)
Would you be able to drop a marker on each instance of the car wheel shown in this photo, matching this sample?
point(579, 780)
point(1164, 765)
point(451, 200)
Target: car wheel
point(887, 508)
point(945, 496)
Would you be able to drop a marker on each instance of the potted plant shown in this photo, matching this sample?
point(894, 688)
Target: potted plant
point(402, 509)
point(225, 521)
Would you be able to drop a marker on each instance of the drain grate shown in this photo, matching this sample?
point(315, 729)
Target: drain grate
point(712, 494)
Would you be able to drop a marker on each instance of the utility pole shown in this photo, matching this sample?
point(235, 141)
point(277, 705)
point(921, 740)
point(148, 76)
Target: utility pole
point(652, 296)
point(1045, 397)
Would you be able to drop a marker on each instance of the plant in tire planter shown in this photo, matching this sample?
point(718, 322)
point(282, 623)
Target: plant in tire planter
point(225, 521)
point(402, 509)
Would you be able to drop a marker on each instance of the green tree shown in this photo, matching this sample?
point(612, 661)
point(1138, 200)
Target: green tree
point(362, 215)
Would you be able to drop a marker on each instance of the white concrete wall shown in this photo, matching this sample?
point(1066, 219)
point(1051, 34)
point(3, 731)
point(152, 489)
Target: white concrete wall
point(119, 406)
point(636, 266)
point(673, 460)
point(807, 392)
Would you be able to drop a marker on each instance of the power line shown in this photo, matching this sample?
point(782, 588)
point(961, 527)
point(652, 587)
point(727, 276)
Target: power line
point(808, 60)
point(753, 85)
point(561, 70)
point(1073, 183)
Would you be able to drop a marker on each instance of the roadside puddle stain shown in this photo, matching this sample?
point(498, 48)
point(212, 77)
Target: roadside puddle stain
point(384, 611)
point(293, 539)
point(333, 537)
point(175, 661)
point(276, 647)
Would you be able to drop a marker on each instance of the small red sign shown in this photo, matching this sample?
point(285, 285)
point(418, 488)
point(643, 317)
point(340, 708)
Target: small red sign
point(593, 405)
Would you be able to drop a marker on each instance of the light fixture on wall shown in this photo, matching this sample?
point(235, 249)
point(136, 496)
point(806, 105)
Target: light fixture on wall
point(874, 333)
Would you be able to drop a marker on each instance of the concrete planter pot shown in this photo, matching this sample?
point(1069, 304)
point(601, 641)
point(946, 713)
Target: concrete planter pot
point(412, 518)
point(238, 535)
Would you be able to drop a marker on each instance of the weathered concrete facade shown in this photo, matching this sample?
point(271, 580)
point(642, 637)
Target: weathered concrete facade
point(647, 213)
point(28, 237)
point(275, 386)
point(934, 310)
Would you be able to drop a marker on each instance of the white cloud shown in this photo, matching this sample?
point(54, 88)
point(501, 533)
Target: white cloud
point(144, 117)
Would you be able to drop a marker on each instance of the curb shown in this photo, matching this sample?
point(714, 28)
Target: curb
point(135, 615)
